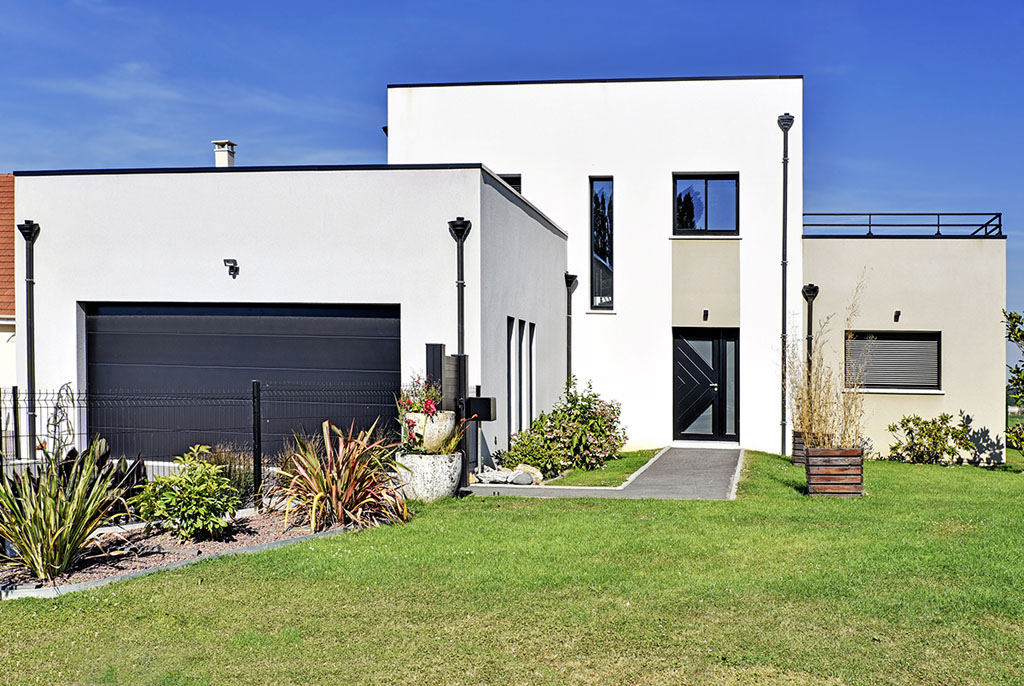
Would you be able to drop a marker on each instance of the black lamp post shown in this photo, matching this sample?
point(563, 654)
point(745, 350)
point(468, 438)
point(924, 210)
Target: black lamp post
point(785, 122)
point(570, 285)
point(459, 228)
point(30, 231)
point(810, 292)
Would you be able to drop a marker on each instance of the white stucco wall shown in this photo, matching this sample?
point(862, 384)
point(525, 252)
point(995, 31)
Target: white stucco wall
point(522, 268)
point(337, 236)
point(558, 135)
point(8, 354)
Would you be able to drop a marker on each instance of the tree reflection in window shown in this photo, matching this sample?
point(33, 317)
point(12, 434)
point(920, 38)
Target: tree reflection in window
point(601, 230)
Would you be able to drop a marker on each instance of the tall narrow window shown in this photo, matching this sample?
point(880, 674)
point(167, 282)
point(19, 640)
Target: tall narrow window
point(705, 203)
point(519, 348)
point(508, 376)
point(532, 377)
point(601, 252)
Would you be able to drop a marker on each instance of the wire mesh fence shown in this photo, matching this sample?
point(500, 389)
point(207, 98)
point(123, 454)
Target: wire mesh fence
point(247, 428)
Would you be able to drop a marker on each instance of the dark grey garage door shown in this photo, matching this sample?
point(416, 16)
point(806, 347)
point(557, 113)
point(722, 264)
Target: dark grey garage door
point(163, 376)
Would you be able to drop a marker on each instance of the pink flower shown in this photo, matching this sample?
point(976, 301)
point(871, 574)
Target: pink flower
point(429, 407)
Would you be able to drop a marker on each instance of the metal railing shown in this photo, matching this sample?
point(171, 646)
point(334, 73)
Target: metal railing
point(904, 224)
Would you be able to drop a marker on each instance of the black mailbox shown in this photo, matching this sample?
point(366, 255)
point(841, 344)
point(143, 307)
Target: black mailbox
point(485, 409)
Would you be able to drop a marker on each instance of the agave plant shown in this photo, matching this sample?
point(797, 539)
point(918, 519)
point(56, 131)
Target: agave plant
point(348, 479)
point(49, 518)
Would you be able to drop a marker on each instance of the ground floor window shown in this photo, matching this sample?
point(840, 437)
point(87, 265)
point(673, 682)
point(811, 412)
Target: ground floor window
point(893, 359)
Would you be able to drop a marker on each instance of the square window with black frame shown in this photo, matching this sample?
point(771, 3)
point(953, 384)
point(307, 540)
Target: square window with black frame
point(893, 359)
point(601, 249)
point(705, 203)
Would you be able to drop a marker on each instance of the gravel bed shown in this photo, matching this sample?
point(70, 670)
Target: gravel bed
point(128, 551)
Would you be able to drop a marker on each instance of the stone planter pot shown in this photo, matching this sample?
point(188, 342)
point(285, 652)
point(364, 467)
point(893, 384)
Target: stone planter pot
point(799, 450)
point(434, 430)
point(429, 477)
point(835, 471)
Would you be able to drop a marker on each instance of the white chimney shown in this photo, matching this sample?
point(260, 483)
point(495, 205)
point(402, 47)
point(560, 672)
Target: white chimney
point(224, 153)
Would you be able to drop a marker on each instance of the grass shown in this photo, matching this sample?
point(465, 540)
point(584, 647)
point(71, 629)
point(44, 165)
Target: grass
point(919, 582)
point(614, 473)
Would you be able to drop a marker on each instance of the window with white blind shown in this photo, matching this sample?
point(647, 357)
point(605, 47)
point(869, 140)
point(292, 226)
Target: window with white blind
point(891, 359)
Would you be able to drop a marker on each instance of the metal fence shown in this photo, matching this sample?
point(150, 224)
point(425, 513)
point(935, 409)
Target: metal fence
point(904, 224)
point(247, 428)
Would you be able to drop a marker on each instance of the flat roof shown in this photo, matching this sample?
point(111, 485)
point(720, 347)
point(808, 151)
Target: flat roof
point(619, 80)
point(518, 197)
point(264, 168)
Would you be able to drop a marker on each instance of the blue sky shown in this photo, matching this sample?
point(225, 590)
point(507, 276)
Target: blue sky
point(908, 106)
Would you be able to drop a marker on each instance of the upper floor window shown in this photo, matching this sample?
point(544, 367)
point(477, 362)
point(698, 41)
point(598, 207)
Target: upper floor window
point(601, 231)
point(706, 202)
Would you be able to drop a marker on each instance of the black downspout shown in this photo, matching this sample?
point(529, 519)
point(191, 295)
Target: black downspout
point(570, 284)
point(30, 231)
point(785, 122)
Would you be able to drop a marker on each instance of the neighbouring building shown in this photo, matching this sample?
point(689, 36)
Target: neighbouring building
point(671, 191)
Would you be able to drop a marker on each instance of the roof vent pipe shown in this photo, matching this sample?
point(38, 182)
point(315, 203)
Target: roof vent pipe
point(224, 153)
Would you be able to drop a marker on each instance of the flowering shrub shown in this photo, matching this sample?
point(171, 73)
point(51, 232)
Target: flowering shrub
point(581, 431)
point(422, 395)
point(929, 441)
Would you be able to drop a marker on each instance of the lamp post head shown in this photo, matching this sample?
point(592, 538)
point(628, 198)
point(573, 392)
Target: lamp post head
point(459, 228)
point(570, 281)
point(810, 292)
point(30, 230)
point(785, 121)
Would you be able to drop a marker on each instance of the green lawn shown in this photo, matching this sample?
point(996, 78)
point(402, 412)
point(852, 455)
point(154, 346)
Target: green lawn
point(920, 582)
point(614, 473)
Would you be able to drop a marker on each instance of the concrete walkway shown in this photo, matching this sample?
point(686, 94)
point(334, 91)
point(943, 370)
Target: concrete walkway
point(672, 474)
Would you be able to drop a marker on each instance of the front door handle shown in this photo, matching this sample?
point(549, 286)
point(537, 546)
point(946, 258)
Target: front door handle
point(714, 387)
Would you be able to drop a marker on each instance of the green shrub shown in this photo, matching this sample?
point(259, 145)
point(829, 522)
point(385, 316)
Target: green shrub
point(192, 502)
point(582, 431)
point(50, 517)
point(929, 441)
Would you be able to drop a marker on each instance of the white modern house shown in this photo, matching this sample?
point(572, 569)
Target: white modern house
point(671, 191)
point(668, 199)
point(203, 279)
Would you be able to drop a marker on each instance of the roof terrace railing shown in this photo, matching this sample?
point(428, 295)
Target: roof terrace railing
point(904, 224)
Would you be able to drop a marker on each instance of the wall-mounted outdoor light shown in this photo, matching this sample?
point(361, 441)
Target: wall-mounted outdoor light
point(232, 266)
point(896, 315)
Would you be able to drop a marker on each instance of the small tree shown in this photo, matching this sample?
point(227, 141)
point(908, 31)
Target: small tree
point(1015, 335)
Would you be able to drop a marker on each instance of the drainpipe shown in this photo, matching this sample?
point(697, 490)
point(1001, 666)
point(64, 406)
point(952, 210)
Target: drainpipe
point(785, 122)
point(570, 284)
point(30, 230)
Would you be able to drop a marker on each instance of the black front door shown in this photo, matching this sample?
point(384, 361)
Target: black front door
point(706, 382)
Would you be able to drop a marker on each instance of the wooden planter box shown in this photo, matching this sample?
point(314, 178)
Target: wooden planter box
point(799, 451)
point(835, 471)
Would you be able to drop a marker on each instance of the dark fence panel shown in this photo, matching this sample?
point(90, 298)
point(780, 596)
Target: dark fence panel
point(158, 426)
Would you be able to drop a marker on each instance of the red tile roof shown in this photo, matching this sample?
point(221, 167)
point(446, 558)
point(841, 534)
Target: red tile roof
point(7, 231)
